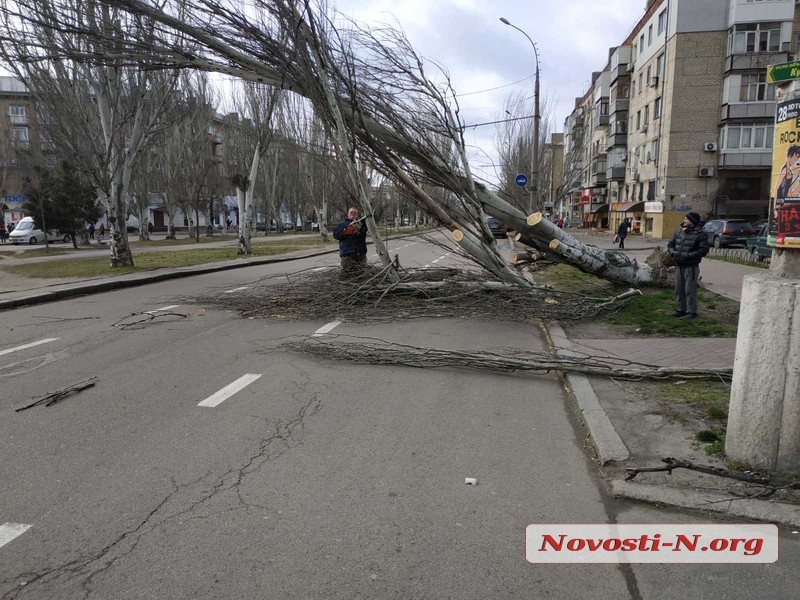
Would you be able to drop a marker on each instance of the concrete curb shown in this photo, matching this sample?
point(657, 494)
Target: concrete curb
point(743, 508)
point(81, 288)
point(607, 442)
point(610, 448)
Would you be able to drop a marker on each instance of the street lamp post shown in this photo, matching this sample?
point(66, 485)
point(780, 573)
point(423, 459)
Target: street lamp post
point(534, 179)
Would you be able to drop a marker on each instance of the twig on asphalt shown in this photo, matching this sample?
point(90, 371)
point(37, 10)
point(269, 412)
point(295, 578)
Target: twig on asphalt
point(53, 397)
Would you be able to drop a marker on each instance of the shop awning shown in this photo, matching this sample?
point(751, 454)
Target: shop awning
point(600, 209)
point(637, 207)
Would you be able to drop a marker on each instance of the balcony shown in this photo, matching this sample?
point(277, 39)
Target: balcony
point(752, 159)
point(617, 139)
point(755, 60)
point(615, 173)
point(619, 71)
point(599, 120)
point(748, 110)
point(619, 105)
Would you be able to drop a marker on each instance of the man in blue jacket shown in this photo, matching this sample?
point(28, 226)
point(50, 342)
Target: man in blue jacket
point(687, 248)
point(352, 235)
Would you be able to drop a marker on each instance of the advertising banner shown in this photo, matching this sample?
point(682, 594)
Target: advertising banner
point(785, 183)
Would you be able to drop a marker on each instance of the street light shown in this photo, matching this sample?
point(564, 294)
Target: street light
point(532, 200)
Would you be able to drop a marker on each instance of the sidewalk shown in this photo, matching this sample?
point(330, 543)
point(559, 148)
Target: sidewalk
point(629, 430)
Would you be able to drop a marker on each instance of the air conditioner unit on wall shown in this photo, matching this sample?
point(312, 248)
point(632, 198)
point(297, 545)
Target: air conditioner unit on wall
point(653, 82)
point(705, 172)
point(711, 147)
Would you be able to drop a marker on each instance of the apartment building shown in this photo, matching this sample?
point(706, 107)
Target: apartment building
point(690, 115)
point(19, 146)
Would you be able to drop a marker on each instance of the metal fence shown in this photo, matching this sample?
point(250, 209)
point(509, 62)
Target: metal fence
point(739, 255)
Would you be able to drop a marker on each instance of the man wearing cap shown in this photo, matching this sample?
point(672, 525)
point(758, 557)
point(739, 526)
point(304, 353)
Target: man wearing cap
point(687, 248)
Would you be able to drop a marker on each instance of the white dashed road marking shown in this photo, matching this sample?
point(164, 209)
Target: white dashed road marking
point(229, 390)
point(170, 307)
point(239, 289)
point(326, 328)
point(8, 531)
point(26, 346)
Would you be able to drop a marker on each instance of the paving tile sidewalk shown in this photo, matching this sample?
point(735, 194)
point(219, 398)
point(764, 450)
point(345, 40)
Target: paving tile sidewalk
point(623, 432)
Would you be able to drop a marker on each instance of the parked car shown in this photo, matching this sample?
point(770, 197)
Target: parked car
point(26, 232)
point(499, 229)
point(261, 226)
point(728, 232)
point(757, 244)
point(757, 225)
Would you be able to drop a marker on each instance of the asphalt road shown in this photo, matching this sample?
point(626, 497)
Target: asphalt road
point(315, 479)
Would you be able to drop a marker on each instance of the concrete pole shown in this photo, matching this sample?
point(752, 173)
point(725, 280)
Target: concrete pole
point(764, 415)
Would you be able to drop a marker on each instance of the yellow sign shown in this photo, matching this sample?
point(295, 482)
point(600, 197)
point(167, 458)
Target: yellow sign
point(785, 183)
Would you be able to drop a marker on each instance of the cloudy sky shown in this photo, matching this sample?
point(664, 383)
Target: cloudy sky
point(481, 53)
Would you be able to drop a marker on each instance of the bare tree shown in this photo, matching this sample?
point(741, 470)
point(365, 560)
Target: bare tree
point(105, 112)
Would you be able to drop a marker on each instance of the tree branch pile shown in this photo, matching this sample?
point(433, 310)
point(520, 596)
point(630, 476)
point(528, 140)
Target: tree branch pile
point(378, 352)
point(433, 292)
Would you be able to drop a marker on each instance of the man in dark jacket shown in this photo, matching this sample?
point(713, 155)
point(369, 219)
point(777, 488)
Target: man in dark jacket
point(687, 248)
point(352, 235)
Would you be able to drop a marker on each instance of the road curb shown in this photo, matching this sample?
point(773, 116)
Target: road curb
point(742, 508)
point(607, 442)
point(82, 288)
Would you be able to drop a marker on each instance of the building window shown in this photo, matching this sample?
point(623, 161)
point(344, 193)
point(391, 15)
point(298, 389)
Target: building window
point(660, 65)
point(20, 134)
point(641, 84)
point(641, 43)
point(18, 114)
point(754, 37)
point(650, 34)
point(662, 21)
point(638, 119)
point(633, 87)
point(746, 137)
point(654, 150)
point(754, 88)
point(51, 161)
point(657, 108)
point(649, 73)
point(646, 115)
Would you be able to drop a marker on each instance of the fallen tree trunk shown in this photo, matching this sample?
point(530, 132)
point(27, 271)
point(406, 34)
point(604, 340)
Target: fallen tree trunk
point(370, 352)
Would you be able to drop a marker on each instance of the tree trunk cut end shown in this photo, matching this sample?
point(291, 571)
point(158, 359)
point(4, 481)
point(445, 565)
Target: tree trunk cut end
point(553, 244)
point(534, 219)
point(458, 235)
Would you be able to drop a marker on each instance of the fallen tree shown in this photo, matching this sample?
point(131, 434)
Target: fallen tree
point(370, 89)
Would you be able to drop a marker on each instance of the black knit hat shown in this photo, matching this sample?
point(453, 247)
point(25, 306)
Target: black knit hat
point(693, 217)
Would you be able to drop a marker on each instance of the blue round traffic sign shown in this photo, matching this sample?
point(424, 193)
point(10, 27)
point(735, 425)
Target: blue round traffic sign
point(522, 180)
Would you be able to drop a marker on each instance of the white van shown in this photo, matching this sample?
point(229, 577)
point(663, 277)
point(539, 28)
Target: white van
point(26, 232)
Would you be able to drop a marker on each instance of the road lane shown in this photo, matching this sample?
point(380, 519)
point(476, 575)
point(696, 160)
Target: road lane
point(317, 480)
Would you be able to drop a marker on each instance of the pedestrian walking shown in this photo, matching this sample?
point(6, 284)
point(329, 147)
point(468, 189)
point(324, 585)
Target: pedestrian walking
point(622, 231)
point(91, 231)
point(102, 231)
point(3, 233)
point(687, 248)
point(352, 235)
